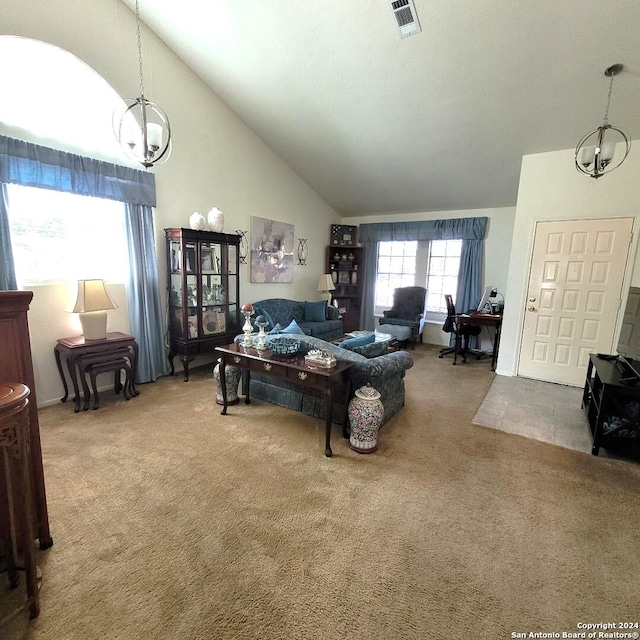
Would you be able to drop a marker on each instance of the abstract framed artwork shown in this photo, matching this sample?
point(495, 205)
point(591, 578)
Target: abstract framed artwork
point(271, 250)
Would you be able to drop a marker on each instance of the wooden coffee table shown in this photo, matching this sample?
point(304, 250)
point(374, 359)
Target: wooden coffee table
point(291, 368)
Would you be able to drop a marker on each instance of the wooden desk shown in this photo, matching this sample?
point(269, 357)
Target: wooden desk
point(481, 320)
point(292, 368)
point(79, 354)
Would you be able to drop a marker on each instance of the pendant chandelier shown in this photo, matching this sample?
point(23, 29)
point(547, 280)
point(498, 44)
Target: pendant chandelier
point(595, 152)
point(143, 131)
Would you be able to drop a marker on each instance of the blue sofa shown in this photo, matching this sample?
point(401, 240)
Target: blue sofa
point(282, 311)
point(385, 373)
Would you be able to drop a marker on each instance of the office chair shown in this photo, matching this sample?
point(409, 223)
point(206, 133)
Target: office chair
point(459, 332)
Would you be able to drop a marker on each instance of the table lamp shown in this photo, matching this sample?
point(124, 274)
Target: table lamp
point(92, 302)
point(325, 285)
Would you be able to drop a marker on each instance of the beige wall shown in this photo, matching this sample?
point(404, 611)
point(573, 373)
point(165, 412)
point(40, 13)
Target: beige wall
point(551, 189)
point(216, 160)
point(497, 249)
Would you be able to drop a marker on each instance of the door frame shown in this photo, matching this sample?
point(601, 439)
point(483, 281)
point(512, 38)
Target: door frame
point(626, 280)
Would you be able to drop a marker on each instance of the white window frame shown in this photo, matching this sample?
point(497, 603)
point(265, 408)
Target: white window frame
point(392, 254)
point(443, 256)
point(58, 237)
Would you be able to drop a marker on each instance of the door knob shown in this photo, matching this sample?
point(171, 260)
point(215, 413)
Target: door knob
point(531, 308)
point(532, 299)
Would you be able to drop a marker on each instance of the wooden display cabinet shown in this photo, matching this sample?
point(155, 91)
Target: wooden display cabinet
point(203, 270)
point(345, 265)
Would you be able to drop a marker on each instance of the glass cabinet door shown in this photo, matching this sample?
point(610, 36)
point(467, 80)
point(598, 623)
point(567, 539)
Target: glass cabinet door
point(213, 288)
point(191, 299)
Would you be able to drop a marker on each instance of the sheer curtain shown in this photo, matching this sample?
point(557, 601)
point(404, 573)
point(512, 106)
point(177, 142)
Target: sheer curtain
point(470, 230)
point(34, 165)
point(7, 271)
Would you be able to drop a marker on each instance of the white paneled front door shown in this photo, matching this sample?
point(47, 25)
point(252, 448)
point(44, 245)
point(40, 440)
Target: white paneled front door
point(573, 296)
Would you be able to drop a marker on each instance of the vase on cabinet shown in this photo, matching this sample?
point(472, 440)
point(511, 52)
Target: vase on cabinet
point(197, 221)
point(215, 218)
point(365, 417)
point(354, 277)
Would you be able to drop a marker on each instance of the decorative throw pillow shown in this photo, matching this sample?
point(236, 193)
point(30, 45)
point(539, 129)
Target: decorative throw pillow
point(293, 328)
point(373, 349)
point(315, 311)
point(360, 341)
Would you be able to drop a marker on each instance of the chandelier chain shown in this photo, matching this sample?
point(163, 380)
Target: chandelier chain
point(605, 120)
point(140, 48)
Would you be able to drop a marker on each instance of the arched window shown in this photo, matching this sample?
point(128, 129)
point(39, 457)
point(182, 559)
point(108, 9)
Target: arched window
point(56, 134)
point(52, 98)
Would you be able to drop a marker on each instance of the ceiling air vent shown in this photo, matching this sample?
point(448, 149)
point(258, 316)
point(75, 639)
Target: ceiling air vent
point(406, 17)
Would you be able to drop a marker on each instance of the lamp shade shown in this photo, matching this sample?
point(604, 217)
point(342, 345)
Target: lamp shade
point(92, 302)
point(325, 283)
point(92, 296)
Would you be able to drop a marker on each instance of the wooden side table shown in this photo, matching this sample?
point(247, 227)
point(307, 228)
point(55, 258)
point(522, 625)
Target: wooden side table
point(78, 354)
point(14, 448)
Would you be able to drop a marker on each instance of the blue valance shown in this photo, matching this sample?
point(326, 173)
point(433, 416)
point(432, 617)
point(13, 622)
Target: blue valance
point(33, 165)
point(425, 230)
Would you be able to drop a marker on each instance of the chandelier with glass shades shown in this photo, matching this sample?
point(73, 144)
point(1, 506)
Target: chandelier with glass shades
point(596, 151)
point(143, 130)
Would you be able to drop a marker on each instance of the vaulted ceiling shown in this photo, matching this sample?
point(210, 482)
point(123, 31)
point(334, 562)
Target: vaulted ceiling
point(435, 121)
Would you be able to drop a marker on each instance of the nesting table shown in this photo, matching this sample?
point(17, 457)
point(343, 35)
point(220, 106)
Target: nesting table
point(117, 352)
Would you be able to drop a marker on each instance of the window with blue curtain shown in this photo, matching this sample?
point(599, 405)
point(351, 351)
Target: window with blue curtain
point(35, 165)
point(470, 230)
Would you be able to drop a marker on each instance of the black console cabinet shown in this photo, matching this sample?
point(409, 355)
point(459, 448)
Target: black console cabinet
point(612, 404)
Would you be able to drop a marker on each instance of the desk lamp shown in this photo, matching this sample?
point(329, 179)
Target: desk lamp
point(325, 285)
point(92, 302)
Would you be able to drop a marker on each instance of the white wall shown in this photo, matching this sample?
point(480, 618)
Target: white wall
point(551, 189)
point(496, 257)
point(216, 160)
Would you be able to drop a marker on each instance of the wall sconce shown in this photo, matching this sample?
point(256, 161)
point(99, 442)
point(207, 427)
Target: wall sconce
point(303, 251)
point(92, 301)
point(593, 154)
point(325, 285)
point(243, 249)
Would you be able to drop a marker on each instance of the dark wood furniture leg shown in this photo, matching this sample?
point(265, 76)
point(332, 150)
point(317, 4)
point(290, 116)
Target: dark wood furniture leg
point(105, 367)
point(223, 384)
point(62, 376)
point(328, 415)
point(185, 365)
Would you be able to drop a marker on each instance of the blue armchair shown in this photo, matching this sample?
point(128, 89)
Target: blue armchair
point(407, 310)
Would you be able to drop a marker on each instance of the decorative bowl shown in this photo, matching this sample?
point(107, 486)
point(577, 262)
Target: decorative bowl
point(284, 345)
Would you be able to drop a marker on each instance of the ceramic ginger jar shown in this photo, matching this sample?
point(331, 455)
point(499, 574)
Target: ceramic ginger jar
point(215, 218)
point(365, 417)
point(232, 379)
point(197, 221)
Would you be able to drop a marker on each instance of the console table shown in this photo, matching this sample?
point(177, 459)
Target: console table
point(80, 355)
point(292, 368)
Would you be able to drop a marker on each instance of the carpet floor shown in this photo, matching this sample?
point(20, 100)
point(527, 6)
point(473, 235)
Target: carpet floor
point(171, 521)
